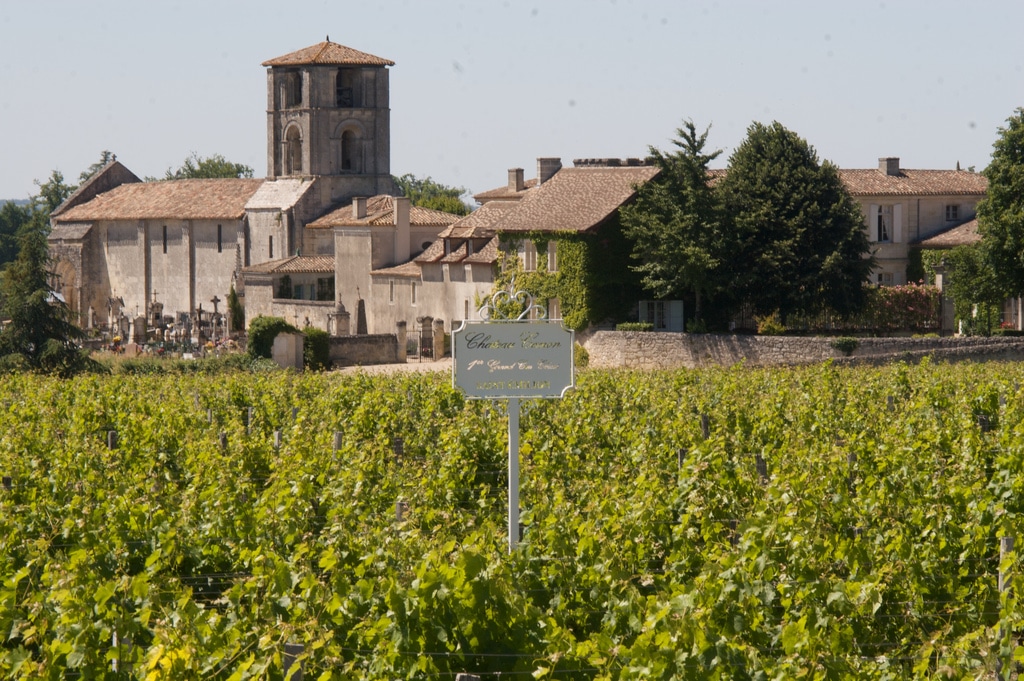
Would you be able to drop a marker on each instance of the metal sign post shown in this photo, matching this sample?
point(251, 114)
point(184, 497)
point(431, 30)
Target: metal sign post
point(512, 359)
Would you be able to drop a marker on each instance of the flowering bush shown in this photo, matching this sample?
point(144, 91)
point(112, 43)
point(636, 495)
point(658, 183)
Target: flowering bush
point(912, 307)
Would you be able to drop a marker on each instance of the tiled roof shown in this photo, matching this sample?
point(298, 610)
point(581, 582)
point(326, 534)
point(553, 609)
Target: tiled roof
point(168, 199)
point(874, 182)
point(457, 255)
point(488, 255)
point(406, 270)
point(481, 222)
point(69, 231)
point(504, 193)
point(279, 194)
point(963, 234)
point(433, 252)
point(328, 53)
point(296, 264)
point(576, 199)
point(380, 210)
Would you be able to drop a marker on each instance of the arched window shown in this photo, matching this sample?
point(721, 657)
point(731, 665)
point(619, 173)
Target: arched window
point(348, 150)
point(293, 151)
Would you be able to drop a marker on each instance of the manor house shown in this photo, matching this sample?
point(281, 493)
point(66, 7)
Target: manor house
point(322, 240)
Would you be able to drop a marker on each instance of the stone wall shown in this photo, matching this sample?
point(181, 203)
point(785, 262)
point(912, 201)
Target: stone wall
point(647, 350)
point(369, 349)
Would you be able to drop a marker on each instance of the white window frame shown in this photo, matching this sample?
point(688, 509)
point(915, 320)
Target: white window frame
point(885, 223)
point(952, 212)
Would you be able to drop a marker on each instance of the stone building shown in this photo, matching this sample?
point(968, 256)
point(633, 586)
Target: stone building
point(165, 250)
point(903, 207)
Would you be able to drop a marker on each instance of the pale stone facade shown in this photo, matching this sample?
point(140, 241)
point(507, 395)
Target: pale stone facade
point(173, 250)
point(903, 207)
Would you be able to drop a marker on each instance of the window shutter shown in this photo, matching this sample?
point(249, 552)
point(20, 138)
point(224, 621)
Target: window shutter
point(873, 223)
point(675, 315)
point(643, 311)
point(897, 223)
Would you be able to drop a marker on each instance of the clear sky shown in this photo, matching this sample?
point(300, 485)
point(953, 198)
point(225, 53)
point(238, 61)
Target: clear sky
point(481, 86)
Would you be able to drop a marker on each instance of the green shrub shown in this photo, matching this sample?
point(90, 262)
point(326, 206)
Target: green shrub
point(634, 326)
point(580, 356)
point(262, 333)
point(316, 351)
point(845, 344)
point(770, 325)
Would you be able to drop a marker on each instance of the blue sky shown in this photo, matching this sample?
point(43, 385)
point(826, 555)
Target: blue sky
point(480, 87)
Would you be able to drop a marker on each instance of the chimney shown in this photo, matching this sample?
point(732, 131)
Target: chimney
point(403, 242)
point(546, 168)
point(890, 165)
point(359, 207)
point(515, 180)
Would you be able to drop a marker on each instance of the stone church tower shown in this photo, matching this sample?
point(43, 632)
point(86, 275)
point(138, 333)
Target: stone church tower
point(328, 117)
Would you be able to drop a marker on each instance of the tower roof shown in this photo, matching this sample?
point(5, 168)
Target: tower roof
point(328, 53)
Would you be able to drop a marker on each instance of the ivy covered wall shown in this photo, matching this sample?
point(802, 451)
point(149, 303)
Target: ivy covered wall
point(593, 281)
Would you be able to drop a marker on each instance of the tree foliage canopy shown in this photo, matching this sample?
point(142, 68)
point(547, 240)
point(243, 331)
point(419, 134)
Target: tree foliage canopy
point(211, 167)
point(39, 333)
point(1001, 212)
point(794, 236)
point(427, 193)
point(674, 222)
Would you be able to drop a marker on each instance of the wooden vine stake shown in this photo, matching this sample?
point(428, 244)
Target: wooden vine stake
point(512, 356)
point(1005, 548)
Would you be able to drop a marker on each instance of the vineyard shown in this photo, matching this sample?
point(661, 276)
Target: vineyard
point(819, 523)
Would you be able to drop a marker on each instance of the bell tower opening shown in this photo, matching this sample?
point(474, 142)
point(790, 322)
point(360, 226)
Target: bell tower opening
point(293, 151)
point(328, 117)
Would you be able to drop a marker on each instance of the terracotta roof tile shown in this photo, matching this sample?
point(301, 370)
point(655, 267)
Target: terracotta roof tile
point(408, 270)
point(874, 182)
point(963, 234)
point(488, 255)
point(504, 193)
point(328, 53)
point(69, 231)
point(433, 252)
point(380, 211)
point(576, 199)
point(458, 255)
point(481, 222)
point(169, 199)
point(296, 264)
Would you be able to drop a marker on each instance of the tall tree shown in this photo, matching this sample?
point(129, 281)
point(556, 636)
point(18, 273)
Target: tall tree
point(51, 194)
point(38, 333)
point(976, 289)
point(795, 236)
point(12, 218)
point(106, 156)
point(427, 193)
point(216, 166)
point(1001, 212)
point(674, 222)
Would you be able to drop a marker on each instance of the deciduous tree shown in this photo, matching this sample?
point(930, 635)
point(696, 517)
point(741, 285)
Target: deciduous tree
point(216, 166)
point(427, 193)
point(1001, 212)
point(793, 233)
